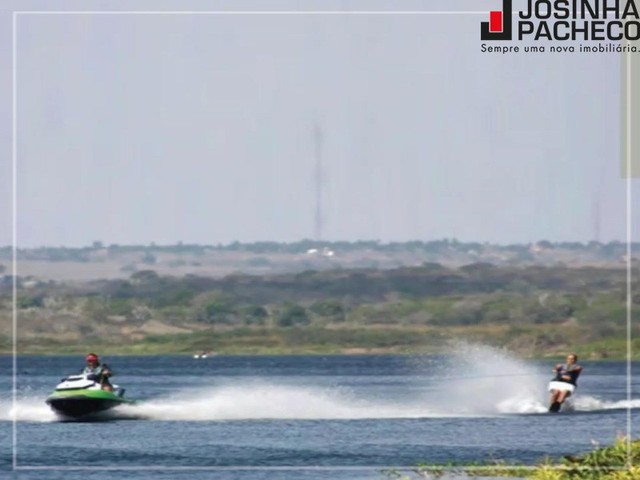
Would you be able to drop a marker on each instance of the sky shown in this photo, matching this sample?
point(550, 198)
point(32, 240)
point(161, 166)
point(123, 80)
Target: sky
point(134, 129)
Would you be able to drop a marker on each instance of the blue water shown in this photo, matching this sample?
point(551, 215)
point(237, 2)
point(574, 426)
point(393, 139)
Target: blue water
point(286, 417)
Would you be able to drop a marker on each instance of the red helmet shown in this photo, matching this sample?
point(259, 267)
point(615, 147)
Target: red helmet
point(92, 357)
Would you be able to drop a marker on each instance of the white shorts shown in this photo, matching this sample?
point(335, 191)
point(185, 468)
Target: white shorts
point(561, 386)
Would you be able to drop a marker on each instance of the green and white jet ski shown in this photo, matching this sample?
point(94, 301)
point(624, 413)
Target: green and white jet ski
point(80, 395)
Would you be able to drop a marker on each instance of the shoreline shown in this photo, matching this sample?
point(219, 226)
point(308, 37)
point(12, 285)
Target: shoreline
point(295, 341)
point(299, 353)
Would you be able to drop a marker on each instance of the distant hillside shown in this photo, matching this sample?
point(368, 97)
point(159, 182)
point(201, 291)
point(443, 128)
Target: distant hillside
point(100, 261)
point(533, 310)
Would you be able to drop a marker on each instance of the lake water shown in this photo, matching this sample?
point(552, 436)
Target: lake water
point(307, 417)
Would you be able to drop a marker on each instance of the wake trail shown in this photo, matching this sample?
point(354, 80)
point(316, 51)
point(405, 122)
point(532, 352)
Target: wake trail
point(586, 403)
point(272, 402)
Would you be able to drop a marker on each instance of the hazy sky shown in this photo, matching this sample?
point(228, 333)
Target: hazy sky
point(199, 128)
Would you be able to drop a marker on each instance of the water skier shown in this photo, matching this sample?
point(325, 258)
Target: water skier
point(565, 382)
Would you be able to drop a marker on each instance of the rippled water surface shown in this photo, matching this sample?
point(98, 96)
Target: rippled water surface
point(304, 416)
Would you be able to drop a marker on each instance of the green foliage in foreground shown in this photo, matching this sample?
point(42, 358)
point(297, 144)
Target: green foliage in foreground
point(619, 461)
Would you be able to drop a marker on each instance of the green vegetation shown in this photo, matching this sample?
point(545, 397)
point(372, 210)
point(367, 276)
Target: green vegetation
point(620, 461)
point(532, 310)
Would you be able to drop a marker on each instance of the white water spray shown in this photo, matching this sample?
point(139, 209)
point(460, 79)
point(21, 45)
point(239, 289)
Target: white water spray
point(485, 380)
point(267, 401)
point(30, 409)
point(478, 379)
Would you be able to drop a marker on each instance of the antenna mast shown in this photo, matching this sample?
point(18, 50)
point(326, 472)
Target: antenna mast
point(319, 180)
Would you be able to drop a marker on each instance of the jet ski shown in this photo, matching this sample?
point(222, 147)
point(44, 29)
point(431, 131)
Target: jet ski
point(81, 395)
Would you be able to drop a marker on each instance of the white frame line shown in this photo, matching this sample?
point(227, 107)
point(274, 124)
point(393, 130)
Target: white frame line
point(265, 12)
point(629, 238)
point(252, 12)
point(489, 468)
point(14, 233)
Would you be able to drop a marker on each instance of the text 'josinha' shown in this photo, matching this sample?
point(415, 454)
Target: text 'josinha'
point(598, 20)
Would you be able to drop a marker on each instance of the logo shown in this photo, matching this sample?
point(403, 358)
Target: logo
point(565, 20)
point(499, 25)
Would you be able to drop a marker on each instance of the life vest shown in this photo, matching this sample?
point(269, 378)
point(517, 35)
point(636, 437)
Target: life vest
point(573, 371)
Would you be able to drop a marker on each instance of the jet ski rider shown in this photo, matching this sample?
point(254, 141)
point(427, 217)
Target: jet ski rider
point(97, 372)
point(565, 382)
